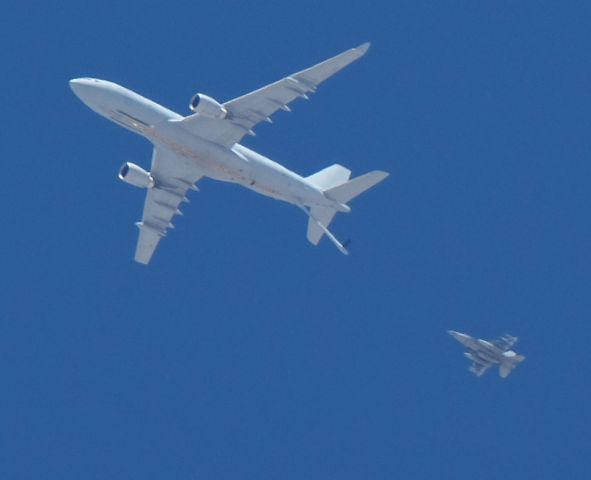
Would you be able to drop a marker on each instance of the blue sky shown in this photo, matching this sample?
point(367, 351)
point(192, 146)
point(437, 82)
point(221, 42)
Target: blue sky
point(242, 352)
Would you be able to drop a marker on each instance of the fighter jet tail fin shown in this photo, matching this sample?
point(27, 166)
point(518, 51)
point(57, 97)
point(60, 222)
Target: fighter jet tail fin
point(506, 369)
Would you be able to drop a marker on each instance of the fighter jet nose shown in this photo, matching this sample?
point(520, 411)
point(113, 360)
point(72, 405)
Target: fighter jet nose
point(460, 337)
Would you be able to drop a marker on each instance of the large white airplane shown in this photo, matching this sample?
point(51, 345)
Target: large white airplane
point(206, 144)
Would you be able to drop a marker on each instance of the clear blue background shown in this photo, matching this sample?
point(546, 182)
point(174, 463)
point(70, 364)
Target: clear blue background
point(242, 352)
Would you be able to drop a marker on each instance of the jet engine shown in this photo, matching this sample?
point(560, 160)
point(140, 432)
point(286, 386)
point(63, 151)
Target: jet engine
point(207, 107)
point(136, 175)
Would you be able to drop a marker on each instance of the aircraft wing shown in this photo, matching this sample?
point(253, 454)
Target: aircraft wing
point(173, 176)
point(478, 369)
point(505, 342)
point(245, 112)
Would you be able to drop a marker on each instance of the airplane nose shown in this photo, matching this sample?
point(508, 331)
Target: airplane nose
point(457, 335)
point(86, 89)
point(77, 85)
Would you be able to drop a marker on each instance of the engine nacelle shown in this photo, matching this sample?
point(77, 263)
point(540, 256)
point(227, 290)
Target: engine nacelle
point(207, 107)
point(136, 175)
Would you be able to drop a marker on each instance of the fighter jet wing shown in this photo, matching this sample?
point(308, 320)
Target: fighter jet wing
point(245, 112)
point(478, 369)
point(173, 176)
point(505, 342)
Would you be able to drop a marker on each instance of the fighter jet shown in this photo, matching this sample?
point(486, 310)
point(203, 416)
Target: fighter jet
point(484, 354)
point(207, 144)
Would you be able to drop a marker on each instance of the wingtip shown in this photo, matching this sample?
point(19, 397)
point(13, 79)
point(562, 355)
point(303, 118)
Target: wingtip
point(379, 175)
point(364, 47)
point(142, 261)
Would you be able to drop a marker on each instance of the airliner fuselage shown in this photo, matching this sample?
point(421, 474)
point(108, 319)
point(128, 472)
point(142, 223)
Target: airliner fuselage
point(162, 126)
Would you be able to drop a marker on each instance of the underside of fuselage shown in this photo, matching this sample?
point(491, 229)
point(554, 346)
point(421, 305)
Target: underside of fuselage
point(239, 165)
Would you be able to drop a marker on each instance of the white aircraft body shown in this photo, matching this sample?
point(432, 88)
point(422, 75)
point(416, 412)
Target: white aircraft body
point(206, 144)
point(484, 354)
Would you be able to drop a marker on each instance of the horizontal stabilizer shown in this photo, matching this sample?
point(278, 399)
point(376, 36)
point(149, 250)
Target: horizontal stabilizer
point(506, 368)
point(478, 369)
point(322, 215)
point(348, 191)
point(518, 358)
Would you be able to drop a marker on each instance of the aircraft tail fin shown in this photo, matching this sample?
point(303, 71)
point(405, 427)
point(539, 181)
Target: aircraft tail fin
point(506, 368)
point(325, 179)
point(518, 358)
point(335, 182)
point(330, 177)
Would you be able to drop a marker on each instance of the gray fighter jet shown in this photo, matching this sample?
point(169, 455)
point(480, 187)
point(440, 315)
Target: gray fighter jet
point(484, 354)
